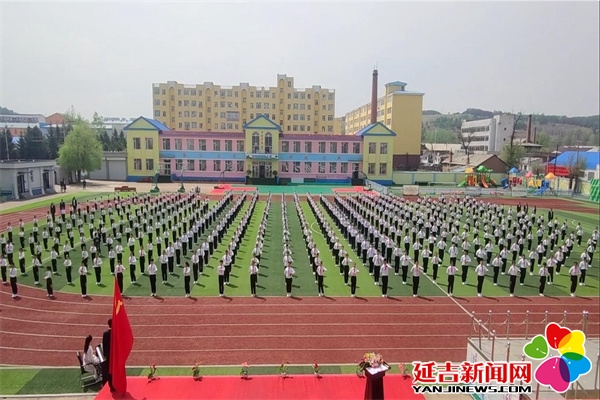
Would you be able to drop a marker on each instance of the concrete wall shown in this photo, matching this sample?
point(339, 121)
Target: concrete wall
point(436, 178)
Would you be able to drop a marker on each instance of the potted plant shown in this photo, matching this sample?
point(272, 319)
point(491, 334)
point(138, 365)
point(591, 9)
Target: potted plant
point(245, 370)
point(196, 372)
point(152, 374)
point(316, 369)
point(283, 370)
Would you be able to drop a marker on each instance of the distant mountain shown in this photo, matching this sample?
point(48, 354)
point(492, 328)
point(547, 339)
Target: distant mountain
point(6, 111)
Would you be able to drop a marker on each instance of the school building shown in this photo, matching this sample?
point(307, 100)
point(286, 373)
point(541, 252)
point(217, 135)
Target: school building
point(262, 149)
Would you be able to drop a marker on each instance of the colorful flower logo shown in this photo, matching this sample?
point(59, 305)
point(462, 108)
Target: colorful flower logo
point(558, 372)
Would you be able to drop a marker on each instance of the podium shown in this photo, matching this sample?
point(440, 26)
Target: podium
point(374, 387)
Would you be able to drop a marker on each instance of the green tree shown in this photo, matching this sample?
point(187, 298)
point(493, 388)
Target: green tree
point(105, 140)
point(511, 155)
point(82, 151)
point(53, 142)
point(114, 140)
point(543, 139)
point(6, 143)
point(122, 141)
point(31, 145)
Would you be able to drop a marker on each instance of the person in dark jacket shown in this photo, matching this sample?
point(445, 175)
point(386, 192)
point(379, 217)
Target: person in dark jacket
point(106, 377)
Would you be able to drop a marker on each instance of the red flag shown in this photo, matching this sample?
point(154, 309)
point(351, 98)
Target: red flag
point(121, 342)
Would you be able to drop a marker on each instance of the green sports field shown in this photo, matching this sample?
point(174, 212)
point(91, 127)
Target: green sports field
point(271, 282)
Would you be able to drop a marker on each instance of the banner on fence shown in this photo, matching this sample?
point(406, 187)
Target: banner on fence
point(519, 191)
point(410, 190)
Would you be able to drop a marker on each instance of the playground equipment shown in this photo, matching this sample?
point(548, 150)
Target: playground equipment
point(545, 185)
point(478, 177)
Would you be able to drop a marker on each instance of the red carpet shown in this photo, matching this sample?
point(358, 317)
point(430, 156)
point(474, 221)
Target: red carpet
point(355, 189)
point(221, 189)
point(263, 387)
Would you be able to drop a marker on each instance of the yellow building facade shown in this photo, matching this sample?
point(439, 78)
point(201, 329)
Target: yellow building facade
point(399, 110)
point(143, 148)
point(378, 151)
point(215, 108)
point(262, 142)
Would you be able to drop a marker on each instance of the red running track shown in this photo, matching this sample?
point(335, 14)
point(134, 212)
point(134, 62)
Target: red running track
point(176, 331)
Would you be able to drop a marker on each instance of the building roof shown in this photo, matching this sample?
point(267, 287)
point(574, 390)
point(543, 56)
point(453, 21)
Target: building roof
point(156, 124)
point(269, 123)
point(475, 160)
point(592, 158)
point(396, 83)
point(376, 129)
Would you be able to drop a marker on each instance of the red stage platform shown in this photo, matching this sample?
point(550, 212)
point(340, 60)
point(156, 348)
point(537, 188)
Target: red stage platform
point(221, 189)
point(355, 189)
point(263, 387)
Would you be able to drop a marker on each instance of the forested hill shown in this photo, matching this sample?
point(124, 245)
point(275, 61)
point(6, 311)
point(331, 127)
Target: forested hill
point(552, 130)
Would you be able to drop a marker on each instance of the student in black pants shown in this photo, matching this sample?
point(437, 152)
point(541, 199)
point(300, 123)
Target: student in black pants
point(13, 280)
point(416, 277)
point(119, 269)
point(451, 271)
point(288, 272)
point(513, 271)
point(186, 278)
point(353, 272)
point(543, 277)
point(384, 271)
point(320, 276)
point(221, 277)
point(152, 277)
point(48, 278)
point(83, 280)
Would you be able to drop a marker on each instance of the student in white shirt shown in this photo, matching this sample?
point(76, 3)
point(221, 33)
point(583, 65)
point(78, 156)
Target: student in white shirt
point(416, 277)
point(253, 270)
point(451, 271)
point(151, 270)
point(465, 260)
point(119, 269)
point(583, 266)
point(523, 265)
point(384, 271)
point(13, 280)
point(543, 276)
point(186, 278)
point(496, 264)
point(404, 261)
point(288, 272)
point(164, 261)
point(513, 271)
point(480, 270)
point(435, 264)
point(320, 276)
point(352, 273)
point(83, 280)
point(89, 359)
point(574, 273)
point(221, 278)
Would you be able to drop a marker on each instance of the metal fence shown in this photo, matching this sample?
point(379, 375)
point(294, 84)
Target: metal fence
point(486, 330)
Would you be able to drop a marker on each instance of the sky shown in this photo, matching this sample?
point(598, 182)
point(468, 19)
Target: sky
point(534, 57)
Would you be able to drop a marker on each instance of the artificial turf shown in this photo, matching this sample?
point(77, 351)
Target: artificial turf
point(271, 282)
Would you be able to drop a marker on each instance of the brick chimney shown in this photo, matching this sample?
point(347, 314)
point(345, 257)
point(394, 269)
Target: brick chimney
point(529, 129)
point(374, 98)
